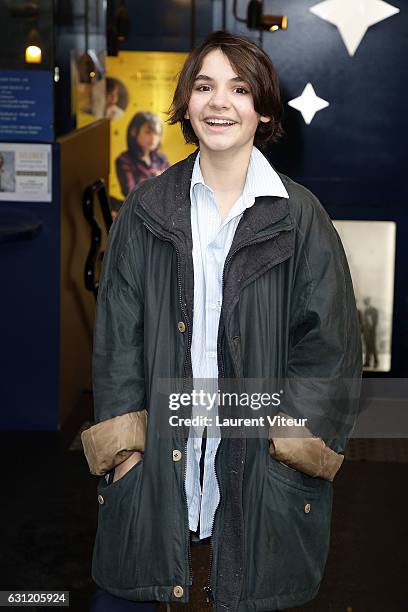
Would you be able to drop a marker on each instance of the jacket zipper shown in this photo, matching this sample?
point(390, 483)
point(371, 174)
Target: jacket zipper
point(210, 599)
point(207, 588)
point(162, 237)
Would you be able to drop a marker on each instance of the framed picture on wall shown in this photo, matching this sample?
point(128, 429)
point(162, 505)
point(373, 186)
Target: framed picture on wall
point(370, 250)
point(25, 172)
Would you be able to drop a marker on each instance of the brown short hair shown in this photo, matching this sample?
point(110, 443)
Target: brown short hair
point(252, 64)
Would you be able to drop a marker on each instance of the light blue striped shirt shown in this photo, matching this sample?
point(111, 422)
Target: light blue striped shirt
point(211, 243)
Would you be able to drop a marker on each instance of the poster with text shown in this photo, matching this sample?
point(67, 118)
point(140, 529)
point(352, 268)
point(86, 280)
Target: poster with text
point(370, 250)
point(26, 105)
point(25, 172)
point(139, 90)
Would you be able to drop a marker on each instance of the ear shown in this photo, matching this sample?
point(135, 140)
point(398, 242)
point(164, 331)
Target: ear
point(186, 115)
point(264, 119)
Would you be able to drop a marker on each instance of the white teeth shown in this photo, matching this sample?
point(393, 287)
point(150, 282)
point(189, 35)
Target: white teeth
point(219, 122)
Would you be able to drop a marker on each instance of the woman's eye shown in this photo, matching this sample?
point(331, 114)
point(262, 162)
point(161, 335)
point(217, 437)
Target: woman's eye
point(241, 90)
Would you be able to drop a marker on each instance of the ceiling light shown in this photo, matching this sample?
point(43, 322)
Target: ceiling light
point(33, 49)
point(274, 22)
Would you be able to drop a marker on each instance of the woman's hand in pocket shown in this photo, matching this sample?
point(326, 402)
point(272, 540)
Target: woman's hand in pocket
point(125, 466)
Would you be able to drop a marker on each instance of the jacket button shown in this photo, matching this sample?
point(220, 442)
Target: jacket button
point(101, 500)
point(181, 327)
point(307, 508)
point(178, 591)
point(177, 455)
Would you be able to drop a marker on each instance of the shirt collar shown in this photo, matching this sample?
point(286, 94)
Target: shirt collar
point(261, 179)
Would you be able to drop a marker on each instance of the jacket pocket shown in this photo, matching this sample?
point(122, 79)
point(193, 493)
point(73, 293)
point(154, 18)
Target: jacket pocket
point(292, 477)
point(299, 507)
point(113, 561)
point(288, 535)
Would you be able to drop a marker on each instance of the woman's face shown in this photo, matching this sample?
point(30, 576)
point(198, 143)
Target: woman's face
point(148, 138)
point(221, 95)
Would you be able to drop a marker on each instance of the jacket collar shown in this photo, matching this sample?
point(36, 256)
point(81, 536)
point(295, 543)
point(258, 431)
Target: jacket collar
point(166, 200)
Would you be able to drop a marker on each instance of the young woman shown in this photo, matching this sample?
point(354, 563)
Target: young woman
point(142, 159)
point(221, 269)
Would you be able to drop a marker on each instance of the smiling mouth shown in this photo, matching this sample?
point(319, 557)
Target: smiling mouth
point(218, 125)
point(221, 122)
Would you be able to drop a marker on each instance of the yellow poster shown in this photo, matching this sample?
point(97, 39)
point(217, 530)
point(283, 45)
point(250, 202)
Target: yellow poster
point(139, 90)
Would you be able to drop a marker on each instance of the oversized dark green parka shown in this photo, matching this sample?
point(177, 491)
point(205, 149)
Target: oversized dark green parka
point(288, 312)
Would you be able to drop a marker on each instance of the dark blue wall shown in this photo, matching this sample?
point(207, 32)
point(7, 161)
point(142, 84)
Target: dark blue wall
point(353, 154)
point(166, 25)
point(29, 321)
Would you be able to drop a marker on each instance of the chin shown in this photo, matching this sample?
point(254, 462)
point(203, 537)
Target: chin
point(219, 146)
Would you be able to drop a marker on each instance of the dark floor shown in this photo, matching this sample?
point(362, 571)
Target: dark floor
point(49, 510)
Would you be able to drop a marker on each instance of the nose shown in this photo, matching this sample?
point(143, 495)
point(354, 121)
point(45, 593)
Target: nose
point(219, 99)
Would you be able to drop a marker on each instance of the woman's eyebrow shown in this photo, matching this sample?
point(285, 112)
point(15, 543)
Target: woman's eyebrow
point(204, 77)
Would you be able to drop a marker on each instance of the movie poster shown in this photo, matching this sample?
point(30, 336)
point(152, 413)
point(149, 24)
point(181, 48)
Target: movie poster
point(371, 261)
point(139, 90)
point(25, 172)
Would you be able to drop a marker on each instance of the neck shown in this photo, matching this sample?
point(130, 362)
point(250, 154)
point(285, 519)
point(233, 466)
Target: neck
point(225, 171)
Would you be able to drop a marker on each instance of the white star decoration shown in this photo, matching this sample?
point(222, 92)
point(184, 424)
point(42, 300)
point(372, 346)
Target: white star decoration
point(353, 17)
point(308, 103)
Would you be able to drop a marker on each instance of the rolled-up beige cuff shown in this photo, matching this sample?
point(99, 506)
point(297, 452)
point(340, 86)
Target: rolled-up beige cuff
point(307, 454)
point(111, 442)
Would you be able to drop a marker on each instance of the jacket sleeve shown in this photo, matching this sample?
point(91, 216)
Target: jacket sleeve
point(118, 355)
point(324, 368)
